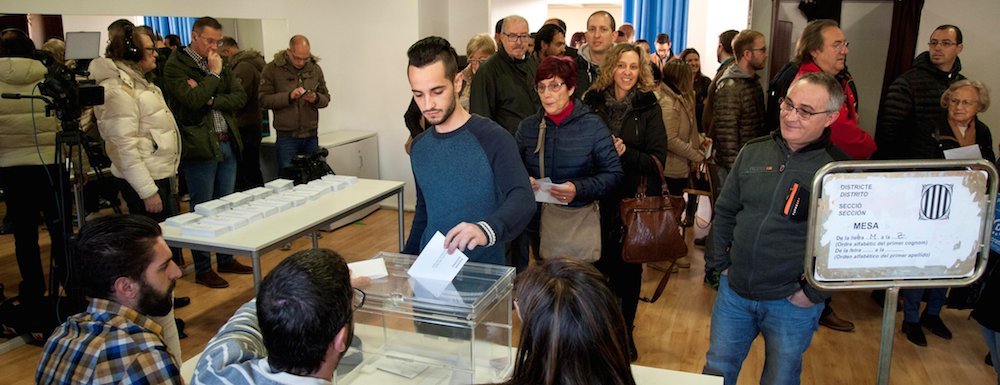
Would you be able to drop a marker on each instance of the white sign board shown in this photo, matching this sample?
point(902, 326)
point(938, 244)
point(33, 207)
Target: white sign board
point(900, 225)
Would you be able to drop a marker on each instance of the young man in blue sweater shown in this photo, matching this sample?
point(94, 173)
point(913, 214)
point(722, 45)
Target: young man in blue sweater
point(471, 183)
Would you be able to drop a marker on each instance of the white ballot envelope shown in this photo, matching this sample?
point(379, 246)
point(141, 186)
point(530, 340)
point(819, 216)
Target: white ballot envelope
point(434, 267)
point(544, 193)
point(965, 152)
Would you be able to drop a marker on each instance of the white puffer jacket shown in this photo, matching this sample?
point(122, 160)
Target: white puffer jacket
point(138, 129)
point(17, 131)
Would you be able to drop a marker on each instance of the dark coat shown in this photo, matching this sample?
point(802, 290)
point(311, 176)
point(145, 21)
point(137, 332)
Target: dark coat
point(906, 128)
point(297, 118)
point(643, 134)
point(247, 65)
point(738, 114)
point(503, 90)
point(199, 142)
point(987, 310)
point(580, 151)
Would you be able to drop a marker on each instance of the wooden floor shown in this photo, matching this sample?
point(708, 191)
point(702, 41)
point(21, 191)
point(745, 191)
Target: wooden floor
point(672, 333)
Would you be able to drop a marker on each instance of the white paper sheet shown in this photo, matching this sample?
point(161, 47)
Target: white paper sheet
point(965, 152)
point(434, 267)
point(371, 268)
point(544, 193)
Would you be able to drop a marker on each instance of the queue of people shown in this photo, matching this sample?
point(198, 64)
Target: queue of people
point(589, 129)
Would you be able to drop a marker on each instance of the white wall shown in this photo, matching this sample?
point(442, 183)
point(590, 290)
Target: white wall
point(368, 81)
point(706, 20)
point(536, 11)
point(977, 19)
point(88, 23)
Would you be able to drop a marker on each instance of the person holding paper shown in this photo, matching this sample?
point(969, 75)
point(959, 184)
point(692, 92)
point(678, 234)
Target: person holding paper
point(964, 99)
point(471, 185)
point(961, 135)
point(580, 157)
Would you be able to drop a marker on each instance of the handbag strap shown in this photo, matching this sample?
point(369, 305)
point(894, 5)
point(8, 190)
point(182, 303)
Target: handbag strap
point(641, 190)
point(662, 285)
point(540, 147)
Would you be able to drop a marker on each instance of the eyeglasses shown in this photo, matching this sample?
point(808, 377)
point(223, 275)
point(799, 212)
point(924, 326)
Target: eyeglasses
point(761, 49)
point(786, 106)
point(359, 299)
point(150, 49)
point(477, 61)
point(840, 45)
point(964, 103)
point(516, 37)
point(552, 87)
point(211, 42)
point(943, 43)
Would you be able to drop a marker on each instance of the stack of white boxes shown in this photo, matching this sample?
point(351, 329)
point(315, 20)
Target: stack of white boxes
point(233, 211)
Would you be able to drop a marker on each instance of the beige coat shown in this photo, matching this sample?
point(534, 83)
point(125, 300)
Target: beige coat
point(139, 132)
point(683, 139)
point(19, 126)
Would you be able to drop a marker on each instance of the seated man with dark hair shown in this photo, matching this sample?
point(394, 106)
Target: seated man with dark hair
point(125, 267)
point(295, 332)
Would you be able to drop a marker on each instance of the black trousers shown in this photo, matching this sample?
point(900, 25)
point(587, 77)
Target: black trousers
point(136, 206)
point(29, 192)
point(624, 279)
point(248, 164)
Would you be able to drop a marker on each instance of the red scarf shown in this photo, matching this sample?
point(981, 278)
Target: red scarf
point(558, 118)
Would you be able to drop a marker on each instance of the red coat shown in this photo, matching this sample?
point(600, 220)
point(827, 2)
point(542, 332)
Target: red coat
point(845, 132)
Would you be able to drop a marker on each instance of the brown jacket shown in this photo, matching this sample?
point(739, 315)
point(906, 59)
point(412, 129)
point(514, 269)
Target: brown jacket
point(683, 139)
point(247, 65)
point(297, 118)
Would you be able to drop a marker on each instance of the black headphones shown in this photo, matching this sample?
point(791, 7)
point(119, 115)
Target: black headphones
point(132, 52)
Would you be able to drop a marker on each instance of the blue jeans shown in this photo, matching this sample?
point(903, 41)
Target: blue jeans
point(736, 321)
point(287, 147)
point(911, 302)
point(207, 181)
point(992, 339)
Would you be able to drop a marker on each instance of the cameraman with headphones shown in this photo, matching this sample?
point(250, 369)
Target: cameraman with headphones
point(28, 173)
point(140, 134)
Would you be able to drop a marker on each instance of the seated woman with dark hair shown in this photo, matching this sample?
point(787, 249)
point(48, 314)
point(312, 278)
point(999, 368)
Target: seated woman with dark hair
point(572, 330)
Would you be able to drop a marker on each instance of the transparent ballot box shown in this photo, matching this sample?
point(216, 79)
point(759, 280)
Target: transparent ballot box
point(418, 332)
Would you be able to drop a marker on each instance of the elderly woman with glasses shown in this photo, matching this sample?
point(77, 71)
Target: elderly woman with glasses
point(579, 156)
point(623, 97)
point(959, 128)
point(479, 48)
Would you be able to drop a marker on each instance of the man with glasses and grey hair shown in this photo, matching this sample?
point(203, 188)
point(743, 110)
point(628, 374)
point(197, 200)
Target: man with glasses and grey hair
point(503, 89)
point(296, 331)
point(754, 254)
point(205, 97)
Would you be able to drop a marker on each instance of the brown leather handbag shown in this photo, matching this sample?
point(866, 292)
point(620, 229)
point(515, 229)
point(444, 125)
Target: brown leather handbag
point(651, 232)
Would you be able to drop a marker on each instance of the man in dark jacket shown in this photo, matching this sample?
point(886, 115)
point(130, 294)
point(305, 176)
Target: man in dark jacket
point(503, 89)
point(600, 38)
point(204, 99)
point(913, 100)
point(247, 65)
point(907, 130)
point(293, 87)
point(724, 54)
point(759, 238)
point(739, 102)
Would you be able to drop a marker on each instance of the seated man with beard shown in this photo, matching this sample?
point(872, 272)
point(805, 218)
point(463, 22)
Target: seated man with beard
point(125, 268)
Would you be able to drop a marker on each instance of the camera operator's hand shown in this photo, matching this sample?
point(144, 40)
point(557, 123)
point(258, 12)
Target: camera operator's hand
point(464, 236)
point(153, 204)
point(215, 63)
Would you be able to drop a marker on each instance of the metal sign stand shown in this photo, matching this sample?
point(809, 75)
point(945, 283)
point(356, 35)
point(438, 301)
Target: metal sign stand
point(893, 284)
